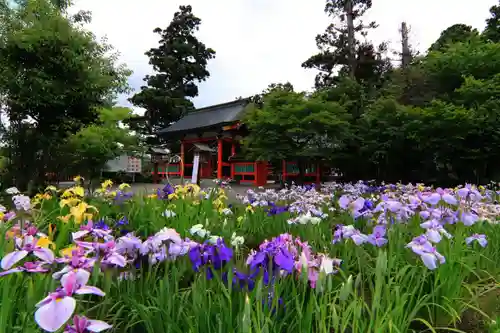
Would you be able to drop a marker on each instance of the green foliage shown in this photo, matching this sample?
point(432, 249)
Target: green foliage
point(453, 34)
point(94, 145)
point(332, 60)
point(492, 31)
point(180, 62)
point(66, 72)
point(447, 70)
point(294, 126)
point(434, 120)
point(54, 74)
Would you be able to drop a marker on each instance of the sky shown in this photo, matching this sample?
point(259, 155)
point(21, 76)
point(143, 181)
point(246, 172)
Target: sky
point(258, 42)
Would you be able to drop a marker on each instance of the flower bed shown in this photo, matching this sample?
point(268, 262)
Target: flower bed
point(343, 258)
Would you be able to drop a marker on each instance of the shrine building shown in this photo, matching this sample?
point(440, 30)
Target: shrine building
point(215, 134)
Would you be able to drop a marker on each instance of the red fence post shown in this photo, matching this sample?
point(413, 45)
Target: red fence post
point(233, 152)
point(219, 158)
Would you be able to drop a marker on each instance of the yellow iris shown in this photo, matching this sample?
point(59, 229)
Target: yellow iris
point(45, 242)
point(68, 252)
point(107, 183)
point(69, 202)
point(80, 213)
point(64, 219)
point(51, 188)
point(123, 186)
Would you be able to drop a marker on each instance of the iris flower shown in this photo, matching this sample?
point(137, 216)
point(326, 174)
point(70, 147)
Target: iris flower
point(30, 267)
point(348, 231)
point(377, 236)
point(94, 231)
point(420, 245)
point(82, 325)
point(57, 308)
point(354, 206)
point(434, 198)
point(28, 246)
point(434, 231)
point(481, 239)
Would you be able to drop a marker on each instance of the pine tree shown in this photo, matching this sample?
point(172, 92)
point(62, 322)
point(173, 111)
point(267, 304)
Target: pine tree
point(180, 63)
point(340, 52)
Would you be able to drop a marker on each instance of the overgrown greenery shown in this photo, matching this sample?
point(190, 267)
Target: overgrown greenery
point(94, 145)
point(54, 77)
point(435, 120)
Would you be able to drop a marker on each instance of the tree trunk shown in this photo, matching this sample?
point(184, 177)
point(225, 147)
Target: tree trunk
point(301, 176)
point(350, 39)
point(405, 51)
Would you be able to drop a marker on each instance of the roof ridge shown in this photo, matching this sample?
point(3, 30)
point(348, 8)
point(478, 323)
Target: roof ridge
point(220, 105)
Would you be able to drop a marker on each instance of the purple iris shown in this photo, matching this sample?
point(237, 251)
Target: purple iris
point(168, 189)
point(480, 239)
point(101, 225)
point(83, 325)
point(29, 245)
point(276, 210)
point(30, 267)
point(210, 254)
point(241, 280)
point(121, 222)
point(55, 309)
point(420, 245)
point(272, 258)
point(121, 196)
point(377, 236)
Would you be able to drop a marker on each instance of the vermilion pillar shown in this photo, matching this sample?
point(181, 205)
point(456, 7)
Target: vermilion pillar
point(233, 152)
point(219, 159)
point(182, 160)
point(261, 173)
point(155, 173)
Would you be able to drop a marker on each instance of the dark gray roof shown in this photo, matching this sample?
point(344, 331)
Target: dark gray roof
point(212, 116)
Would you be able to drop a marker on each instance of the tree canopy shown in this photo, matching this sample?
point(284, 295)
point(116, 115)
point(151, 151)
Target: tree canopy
point(179, 62)
point(96, 144)
point(54, 77)
point(434, 120)
point(290, 125)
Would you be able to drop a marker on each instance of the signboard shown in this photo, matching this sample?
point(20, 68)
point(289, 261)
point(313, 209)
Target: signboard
point(134, 165)
point(196, 166)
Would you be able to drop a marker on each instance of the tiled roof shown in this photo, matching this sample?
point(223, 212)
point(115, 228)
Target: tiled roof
point(212, 116)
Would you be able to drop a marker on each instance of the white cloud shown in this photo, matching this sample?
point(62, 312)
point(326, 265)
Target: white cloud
point(259, 42)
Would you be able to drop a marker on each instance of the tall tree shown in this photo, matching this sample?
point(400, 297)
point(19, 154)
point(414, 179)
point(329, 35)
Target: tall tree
point(492, 31)
point(53, 74)
point(180, 62)
point(453, 34)
point(340, 52)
